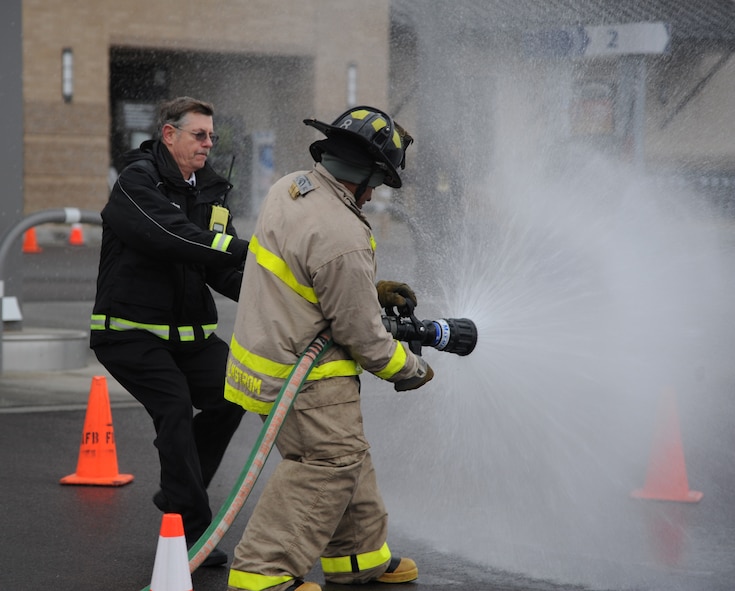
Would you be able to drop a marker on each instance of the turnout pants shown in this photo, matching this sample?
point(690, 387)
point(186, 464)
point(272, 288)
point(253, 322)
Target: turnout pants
point(321, 501)
point(171, 379)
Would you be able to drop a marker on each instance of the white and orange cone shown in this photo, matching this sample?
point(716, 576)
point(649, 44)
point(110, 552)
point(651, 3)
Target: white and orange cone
point(171, 567)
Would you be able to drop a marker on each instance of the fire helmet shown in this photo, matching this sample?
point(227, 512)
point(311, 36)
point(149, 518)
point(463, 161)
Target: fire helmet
point(364, 133)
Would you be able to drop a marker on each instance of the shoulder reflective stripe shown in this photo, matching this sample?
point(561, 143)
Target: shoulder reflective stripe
point(373, 244)
point(279, 268)
point(257, 406)
point(221, 242)
point(160, 330)
point(395, 364)
point(253, 581)
point(274, 369)
point(97, 322)
point(208, 330)
point(366, 561)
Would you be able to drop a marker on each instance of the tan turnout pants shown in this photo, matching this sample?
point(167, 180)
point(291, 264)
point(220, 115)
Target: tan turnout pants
point(322, 499)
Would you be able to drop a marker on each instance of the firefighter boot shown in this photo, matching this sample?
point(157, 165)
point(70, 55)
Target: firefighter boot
point(400, 570)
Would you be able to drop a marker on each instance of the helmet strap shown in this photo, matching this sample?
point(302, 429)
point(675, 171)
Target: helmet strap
point(362, 187)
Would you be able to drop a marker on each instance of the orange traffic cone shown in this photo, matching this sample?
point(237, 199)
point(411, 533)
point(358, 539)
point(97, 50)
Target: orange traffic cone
point(76, 236)
point(30, 246)
point(97, 464)
point(666, 479)
point(171, 567)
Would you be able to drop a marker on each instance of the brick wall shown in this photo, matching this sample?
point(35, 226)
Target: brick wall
point(67, 145)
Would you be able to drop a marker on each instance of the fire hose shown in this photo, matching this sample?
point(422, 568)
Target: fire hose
point(453, 335)
point(259, 454)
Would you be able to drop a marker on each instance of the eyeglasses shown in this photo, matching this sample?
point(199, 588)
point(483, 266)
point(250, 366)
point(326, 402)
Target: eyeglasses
point(200, 136)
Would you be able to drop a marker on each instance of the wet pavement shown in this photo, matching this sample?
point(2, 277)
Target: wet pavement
point(88, 537)
point(83, 538)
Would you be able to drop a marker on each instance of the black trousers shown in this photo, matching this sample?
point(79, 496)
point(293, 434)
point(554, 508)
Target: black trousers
point(171, 379)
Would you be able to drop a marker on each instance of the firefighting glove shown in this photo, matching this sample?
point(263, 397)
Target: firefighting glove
point(393, 294)
point(424, 374)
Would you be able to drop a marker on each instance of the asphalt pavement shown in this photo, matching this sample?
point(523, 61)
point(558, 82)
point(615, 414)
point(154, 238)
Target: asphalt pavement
point(93, 537)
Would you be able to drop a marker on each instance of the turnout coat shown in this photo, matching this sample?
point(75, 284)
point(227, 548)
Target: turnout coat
point(311, 267)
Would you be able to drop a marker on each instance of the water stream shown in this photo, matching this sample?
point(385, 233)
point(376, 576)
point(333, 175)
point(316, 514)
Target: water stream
point(595, 289)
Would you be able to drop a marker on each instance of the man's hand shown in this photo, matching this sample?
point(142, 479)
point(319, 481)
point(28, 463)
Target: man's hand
point(394, 294)
point(425, 373)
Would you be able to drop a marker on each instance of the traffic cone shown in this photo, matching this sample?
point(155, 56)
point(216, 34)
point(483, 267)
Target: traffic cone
point(30, 246)
point(666, 479)
point(76, 236)
point(171, 567)
point(97, 464)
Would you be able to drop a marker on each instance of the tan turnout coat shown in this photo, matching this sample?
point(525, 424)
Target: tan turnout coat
point(311, 267)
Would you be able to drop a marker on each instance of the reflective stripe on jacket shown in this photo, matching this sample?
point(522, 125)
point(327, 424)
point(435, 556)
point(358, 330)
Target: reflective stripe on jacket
point(163, 331)
point(311, 267)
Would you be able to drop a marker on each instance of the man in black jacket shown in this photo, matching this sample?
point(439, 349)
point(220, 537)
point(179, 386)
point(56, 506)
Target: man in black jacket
point(166, 239)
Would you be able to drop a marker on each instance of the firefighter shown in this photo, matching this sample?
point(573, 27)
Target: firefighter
point(312, 266)
point(167, 237)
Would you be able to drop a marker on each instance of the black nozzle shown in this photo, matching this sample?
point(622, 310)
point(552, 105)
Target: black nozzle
point(453, 335)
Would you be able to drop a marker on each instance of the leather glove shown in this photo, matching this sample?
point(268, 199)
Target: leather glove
point(425, 373)
point(393, 293)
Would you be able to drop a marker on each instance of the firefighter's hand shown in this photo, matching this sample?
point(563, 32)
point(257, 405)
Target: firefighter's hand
point(424, 374)
point(394, 294)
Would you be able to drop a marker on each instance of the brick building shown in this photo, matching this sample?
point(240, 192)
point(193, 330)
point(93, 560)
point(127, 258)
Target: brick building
point(459, 75)
point(265, 66)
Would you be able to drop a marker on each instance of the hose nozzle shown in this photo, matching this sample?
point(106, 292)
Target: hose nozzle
point(453, 335)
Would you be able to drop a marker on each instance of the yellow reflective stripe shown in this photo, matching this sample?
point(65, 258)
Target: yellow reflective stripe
point(396, 139)
point(160, 330)
point(379, 123)
point(97, 322)
point(257, 406)
point(274, 369)
point(221, 241)
point(258, 363)
point(360, 114)
point(186, 333)
point(395, 364)
point(373, 244)
point(253, 581)
point(365, 561)
point(279, 268)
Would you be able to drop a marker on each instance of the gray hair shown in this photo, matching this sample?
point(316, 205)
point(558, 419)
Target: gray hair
point(173, 111)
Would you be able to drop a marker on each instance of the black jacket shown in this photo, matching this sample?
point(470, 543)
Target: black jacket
point(158, 256)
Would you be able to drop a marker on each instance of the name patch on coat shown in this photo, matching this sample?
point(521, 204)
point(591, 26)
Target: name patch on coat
point(300, 186)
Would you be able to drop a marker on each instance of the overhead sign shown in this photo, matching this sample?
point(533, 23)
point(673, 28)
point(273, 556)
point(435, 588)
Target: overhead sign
point(631, 38)
point(625, 39)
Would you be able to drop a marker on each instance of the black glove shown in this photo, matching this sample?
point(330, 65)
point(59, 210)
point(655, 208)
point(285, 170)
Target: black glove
point(425, 373)
point(393, 294)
